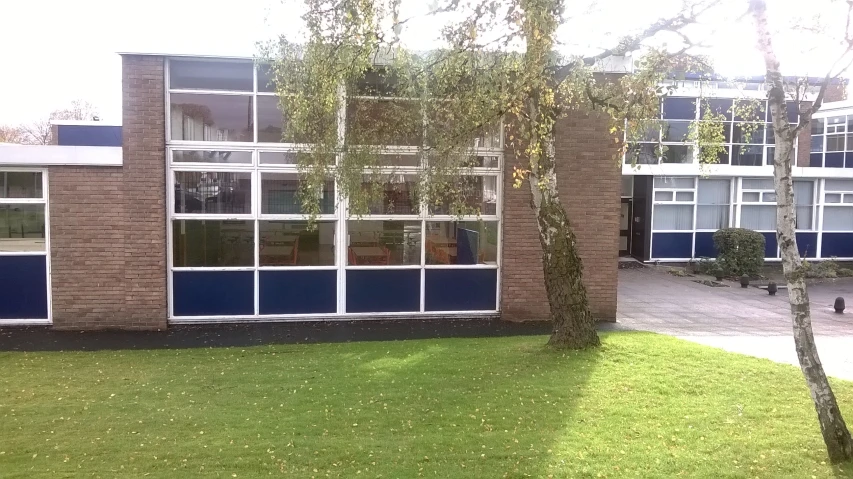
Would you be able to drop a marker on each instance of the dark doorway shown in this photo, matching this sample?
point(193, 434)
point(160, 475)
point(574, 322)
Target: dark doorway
point(625, 222)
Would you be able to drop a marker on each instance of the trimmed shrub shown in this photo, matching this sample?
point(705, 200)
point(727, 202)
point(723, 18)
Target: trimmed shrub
point(739, 251)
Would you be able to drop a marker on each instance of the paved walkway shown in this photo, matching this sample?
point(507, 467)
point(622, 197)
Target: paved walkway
point(747, 321)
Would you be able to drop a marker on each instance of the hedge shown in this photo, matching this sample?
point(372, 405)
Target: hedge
point(739, 251)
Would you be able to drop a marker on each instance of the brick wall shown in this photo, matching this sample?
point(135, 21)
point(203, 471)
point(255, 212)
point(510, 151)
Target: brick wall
point(589, 179)
point(108, 237)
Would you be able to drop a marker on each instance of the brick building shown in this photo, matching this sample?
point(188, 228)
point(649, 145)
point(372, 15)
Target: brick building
point(187, 213)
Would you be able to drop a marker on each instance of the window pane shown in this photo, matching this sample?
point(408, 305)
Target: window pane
point(747, 155)
point(210, 75)
point(832, 198)
point(712, 217)
point(678, 154)
point(376, 82)
point(277, 158)
point(804, 200)
point(213, 243)
point(399, 160)
point(210, 156)
point(20, 184)
point(649, 132)
point(474, 194)
point(468, 242)
point(758, 217)
point(676, 131)
point(663, 195)
point(270, 120)
point(714, 192)
point(22, 228)
point(751, 197)
point(768, 197)
point(673, 217)
point(817, 144)
point(384, 242)
point(397, 195)
point(641, 154)
point(848, 198)
point(758, 184)
point(211, 117)
point(295, 243)
point(668, 182)
point(838, 218)
point(753, 134)
point(684, 196)
point(839, 185)
point(213, 192)
point(384, 122)
point(817, 126)
point(679, 108)
point(718, 106)
point(488, 137)
point(265, 79)
point(280, 195)
point(835, 142)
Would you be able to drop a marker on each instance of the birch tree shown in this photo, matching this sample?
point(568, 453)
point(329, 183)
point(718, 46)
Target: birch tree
point(498, 61)
point(835, 433)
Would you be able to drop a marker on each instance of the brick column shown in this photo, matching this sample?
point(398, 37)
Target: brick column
point(107, 224)
point(589, 180)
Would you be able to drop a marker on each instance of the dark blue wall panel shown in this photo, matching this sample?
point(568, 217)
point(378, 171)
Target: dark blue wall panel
point(460, 289)
point(807, 244)
point(23, 287)
point(298, 292)
point(816, 160)
point(834, 160)
point(848, 159)
point(88, 135)
point(771, 247)
point(213, 293)
point(672, 245)
point(705, 245)
point(383, 291)
point(837, 244)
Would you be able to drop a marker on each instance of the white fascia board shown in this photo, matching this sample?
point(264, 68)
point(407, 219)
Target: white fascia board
point(48, 155)
point(84, 123)
point(732, 171)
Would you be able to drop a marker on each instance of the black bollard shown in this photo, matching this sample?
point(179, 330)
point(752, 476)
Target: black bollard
point(839, 305)
point(744, 281)
point(772, 288)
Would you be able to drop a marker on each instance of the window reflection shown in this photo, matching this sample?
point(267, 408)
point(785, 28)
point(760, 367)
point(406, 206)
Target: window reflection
point(461, 242)
point(211, 117)
point(213, 192)
point(382, 243)
point(213, 243)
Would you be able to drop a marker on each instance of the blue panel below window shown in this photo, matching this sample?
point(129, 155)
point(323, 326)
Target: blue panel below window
point(807, 244)
point(460, 289)
point(298, 292)
point(383, 291)
point(848, 159)
point(213, 293)
point(88, 135)
point(23, 287)
point(771, 247)
point(705, 245)
point(672, 245)
point(834, 160)
point(816, 160)
point(837, 244)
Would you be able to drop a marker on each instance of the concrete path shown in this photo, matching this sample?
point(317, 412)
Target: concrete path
point(747, 321)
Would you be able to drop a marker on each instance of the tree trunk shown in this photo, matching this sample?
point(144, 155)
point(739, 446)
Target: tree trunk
point(574, 327)
point(836, 436)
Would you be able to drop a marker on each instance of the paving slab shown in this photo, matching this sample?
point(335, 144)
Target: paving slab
point(742, 320)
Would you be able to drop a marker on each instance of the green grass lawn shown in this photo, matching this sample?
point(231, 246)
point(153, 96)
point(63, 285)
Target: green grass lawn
point(641, 406)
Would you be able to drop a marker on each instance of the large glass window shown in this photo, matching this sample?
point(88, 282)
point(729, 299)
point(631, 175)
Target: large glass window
point(804, 202)
point(237, 217)
point(838, 205)
point(758, 204)
point(674, 200)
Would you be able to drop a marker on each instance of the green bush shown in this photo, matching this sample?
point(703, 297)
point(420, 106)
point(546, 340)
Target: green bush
point(739, 251)
point(826, 269)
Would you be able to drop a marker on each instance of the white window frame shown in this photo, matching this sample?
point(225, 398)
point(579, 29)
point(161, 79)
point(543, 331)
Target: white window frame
point(44, 200)
point(340, 216)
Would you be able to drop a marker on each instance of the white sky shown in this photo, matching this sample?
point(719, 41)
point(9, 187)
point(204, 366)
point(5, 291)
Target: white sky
point(55, 51)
